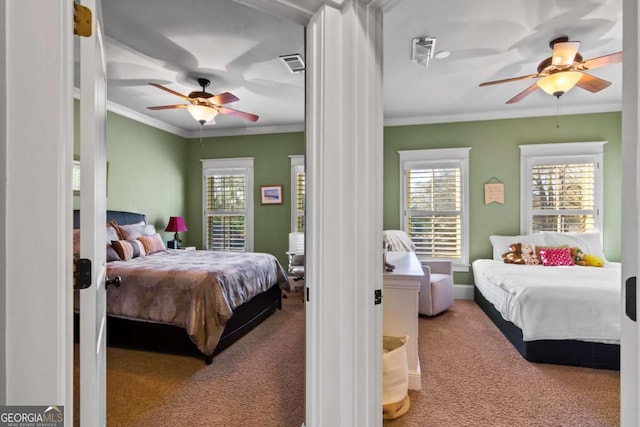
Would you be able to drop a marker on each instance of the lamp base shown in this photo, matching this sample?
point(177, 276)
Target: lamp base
point(173, 244)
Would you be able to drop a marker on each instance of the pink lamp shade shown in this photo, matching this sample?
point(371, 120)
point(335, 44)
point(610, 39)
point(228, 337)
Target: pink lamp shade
point(176, 224)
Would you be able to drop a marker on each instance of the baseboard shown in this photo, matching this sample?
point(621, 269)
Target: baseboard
point(463, 292)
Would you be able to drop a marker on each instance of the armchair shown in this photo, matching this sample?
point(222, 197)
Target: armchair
point(436, 288)
point(296, 256)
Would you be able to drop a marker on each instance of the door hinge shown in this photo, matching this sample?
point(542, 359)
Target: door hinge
point(82, 20)
point(81, 273)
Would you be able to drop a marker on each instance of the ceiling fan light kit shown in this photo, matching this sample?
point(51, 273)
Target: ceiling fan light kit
point(204, 106)
point(564, 70)
point(558, 84)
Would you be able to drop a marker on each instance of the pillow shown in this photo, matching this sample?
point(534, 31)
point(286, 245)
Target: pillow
point(556, 256)
point(124, 249)
point(589, 242)
point(133, 231)
point(501, 243)
point(112, 233)
point(538, 248)
point(76, 243)
point(152, 244)
point(112, 255)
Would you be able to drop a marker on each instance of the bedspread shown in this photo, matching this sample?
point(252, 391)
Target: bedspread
point(554, 302)
point(196, 290)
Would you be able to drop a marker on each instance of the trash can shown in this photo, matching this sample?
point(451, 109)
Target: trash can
point(395, 377)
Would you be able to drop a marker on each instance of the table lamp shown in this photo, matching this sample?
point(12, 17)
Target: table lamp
point(176, 225)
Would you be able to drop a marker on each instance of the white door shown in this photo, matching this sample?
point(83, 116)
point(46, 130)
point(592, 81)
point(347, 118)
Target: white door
point(630, 336)
point(92, 222)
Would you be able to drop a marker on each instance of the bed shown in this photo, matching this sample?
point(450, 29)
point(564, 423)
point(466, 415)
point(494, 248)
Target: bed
point(184, 301)
point(560, 314)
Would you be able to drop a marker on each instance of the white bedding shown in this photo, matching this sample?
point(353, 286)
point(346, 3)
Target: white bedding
point(581, 303)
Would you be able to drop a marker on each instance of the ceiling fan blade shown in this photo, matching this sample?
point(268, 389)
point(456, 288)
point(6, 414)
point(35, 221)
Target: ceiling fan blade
point(512, 79)
point(564, 53)
point(223, 98)
point(592, 83)
point(168, 107)
point(236, 113)
point(523, 94)
point(601, 61)
point(166, 89)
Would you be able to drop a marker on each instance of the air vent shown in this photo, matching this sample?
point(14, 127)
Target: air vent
point(294, 62)
point(422, 50)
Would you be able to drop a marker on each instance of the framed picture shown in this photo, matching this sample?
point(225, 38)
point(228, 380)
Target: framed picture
point(271, 195)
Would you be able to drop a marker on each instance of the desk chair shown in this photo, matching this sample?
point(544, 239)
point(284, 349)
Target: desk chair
point(296, 256)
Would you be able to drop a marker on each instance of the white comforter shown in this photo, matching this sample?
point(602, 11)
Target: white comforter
point(574, 302)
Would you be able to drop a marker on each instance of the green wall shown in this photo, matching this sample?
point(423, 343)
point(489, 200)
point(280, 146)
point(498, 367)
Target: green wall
point(146, 170)
point(272, 223)
point(495, 153)
point(160, 174)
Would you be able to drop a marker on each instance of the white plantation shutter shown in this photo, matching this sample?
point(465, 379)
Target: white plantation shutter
point(562, 187)
point(434, 203)
point(297, 193)
point(228, 202)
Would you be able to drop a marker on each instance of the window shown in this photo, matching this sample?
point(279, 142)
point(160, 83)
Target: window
point(227, 198)
point(297, 193)
point(434, 203)
point(561, 187)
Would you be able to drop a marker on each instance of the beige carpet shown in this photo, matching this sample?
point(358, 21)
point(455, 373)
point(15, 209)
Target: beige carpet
point(471, 376)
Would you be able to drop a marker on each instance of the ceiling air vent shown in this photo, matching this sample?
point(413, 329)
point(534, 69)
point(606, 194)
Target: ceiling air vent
point(422, 50)
point(294, 62)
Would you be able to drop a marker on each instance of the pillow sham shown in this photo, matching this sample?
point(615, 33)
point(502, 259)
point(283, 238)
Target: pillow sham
point(124, 249)
point(152, 244)
point(556, 256)
point(112, 255)
point(501, 243)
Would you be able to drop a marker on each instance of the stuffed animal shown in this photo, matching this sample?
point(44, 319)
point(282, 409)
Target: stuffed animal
point(593, 260)
point(514, 256)
point(578, 257)
point(529, 254)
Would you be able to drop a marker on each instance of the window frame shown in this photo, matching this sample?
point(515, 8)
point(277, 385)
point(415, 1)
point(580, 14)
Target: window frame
point(297, 166)
point(232, 165)
point(560, 153)
point(413, 159)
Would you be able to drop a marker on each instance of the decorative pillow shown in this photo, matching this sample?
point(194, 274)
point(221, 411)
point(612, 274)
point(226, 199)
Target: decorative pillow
point(112, 255)
point(590, 242)
point(556, 256)
point(152, 244)
point(124, 249)
point(538, 248)
point(133, 231)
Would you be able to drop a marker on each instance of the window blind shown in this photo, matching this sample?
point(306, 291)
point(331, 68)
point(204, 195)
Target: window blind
point(300, 190)
point(434, 211)
point(563, 197)
point(226, 212)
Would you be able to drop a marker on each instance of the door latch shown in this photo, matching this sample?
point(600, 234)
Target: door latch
point(630, 298)
point(377, 297)
point(82, 273)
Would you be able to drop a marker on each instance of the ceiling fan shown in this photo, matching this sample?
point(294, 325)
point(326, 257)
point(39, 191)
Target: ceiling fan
point(564, 70)
point(203, 106)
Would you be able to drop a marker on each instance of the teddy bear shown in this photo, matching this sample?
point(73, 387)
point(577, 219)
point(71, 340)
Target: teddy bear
point(514, 256)
point(578, 257)
point(529, 254)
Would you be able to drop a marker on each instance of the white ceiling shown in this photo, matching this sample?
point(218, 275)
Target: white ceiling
point(174, 42)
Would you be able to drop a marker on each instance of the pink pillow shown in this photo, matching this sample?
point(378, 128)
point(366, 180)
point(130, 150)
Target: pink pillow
point(556, 256)
point(152, 244)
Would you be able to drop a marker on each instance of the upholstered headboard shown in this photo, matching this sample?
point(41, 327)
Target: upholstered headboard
point(121, 217)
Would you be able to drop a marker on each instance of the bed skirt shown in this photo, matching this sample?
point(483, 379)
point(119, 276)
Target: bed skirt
point(165, 338)
point(558, 352)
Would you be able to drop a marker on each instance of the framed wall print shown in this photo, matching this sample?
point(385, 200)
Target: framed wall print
point(271, 195)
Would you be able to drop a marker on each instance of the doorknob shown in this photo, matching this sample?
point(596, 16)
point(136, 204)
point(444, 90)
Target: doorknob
point(112, 282)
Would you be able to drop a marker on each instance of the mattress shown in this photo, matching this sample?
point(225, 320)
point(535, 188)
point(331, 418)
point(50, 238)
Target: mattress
point(554, 303)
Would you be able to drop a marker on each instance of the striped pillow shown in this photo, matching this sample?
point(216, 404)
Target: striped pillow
point(124, 249)
point(153, 243)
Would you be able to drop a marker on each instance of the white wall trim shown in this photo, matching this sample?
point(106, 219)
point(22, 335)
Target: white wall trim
point(463, 292)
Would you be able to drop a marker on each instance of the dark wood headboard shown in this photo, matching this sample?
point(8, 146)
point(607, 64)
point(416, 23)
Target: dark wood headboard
point(121, 217)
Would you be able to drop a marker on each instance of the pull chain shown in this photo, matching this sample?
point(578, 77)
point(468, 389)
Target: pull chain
point(559, 111)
